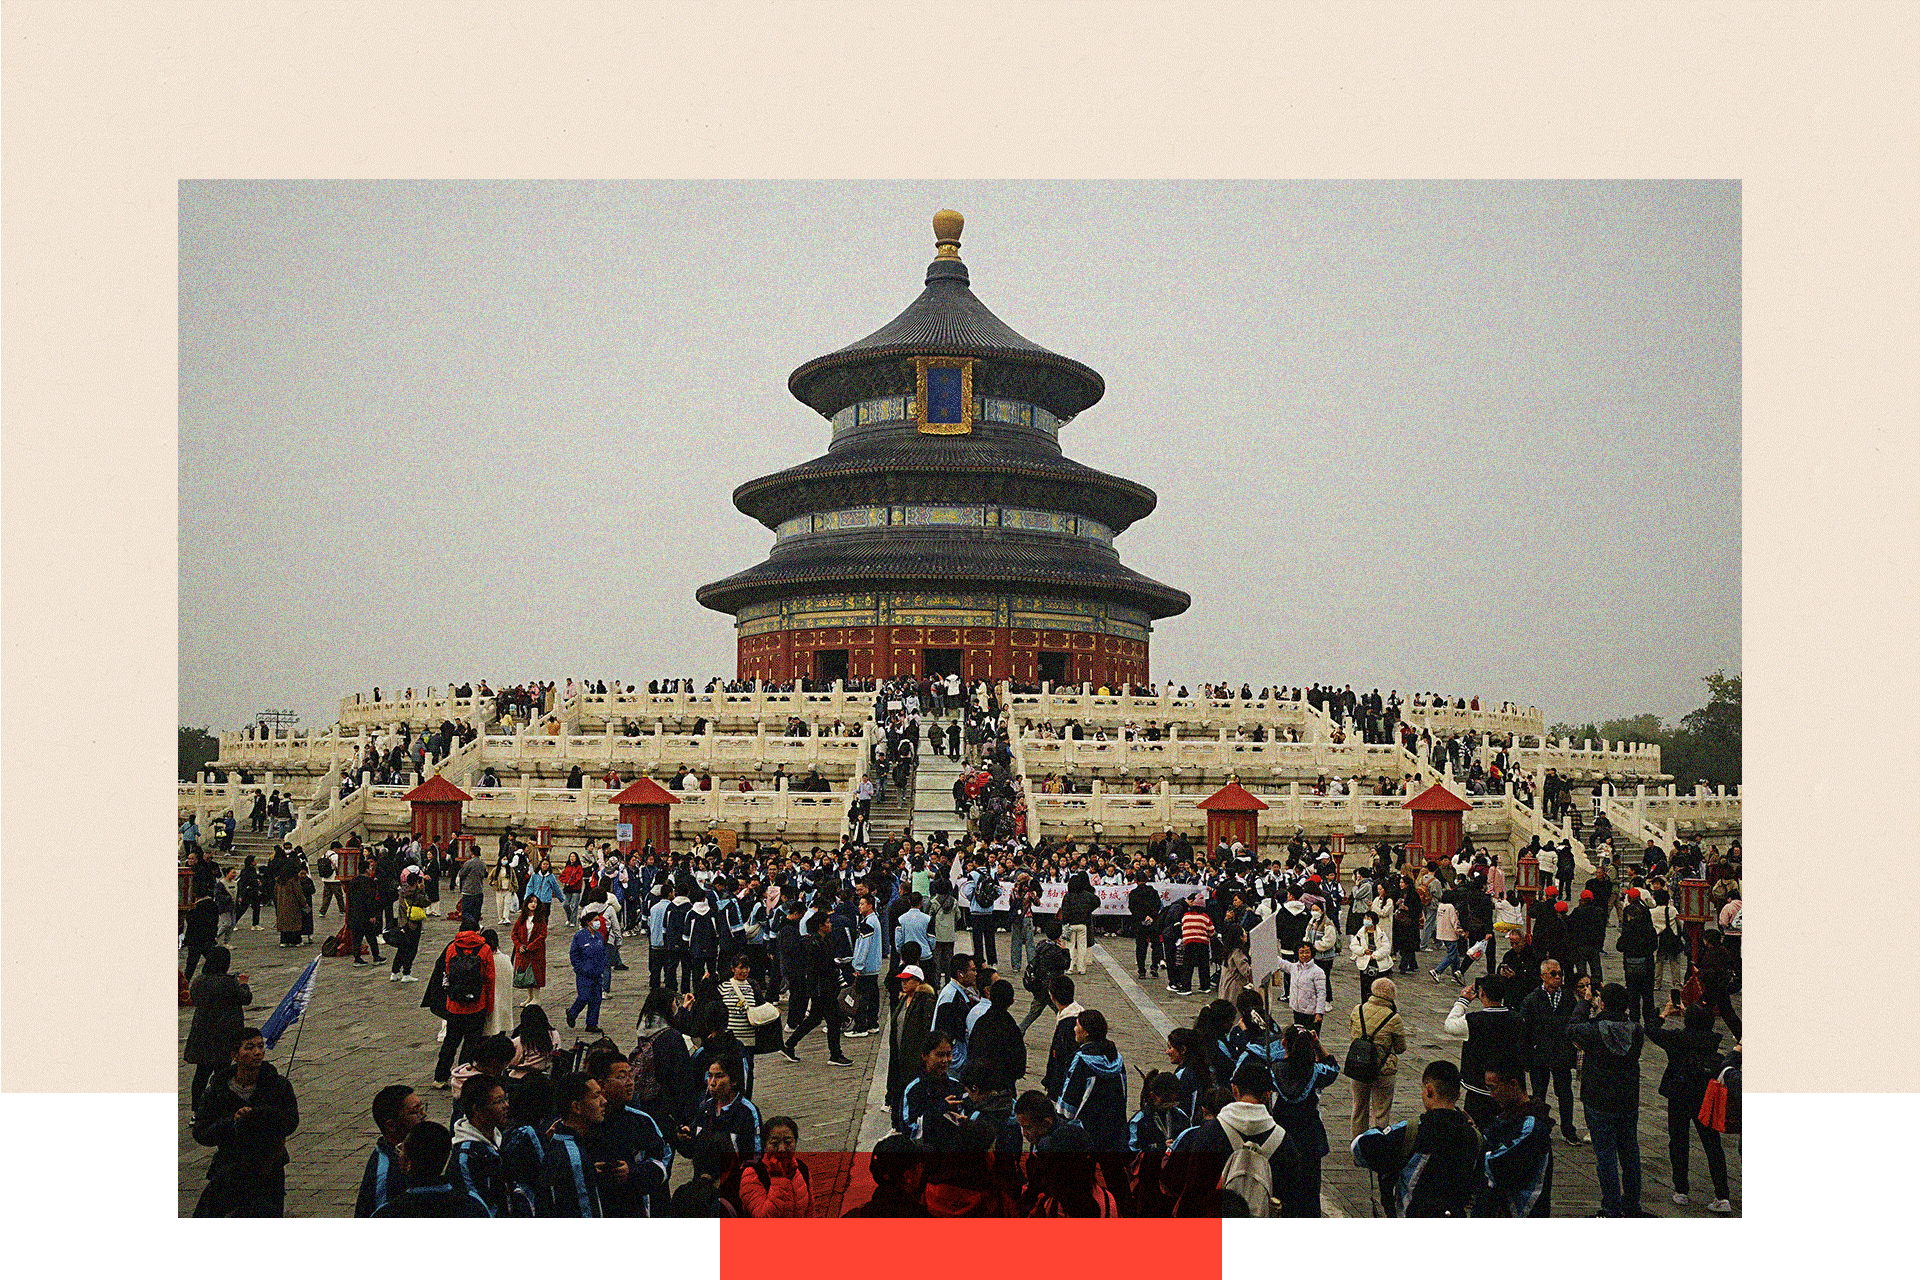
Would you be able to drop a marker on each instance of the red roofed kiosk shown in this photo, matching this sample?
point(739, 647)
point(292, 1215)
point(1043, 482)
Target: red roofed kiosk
point(643, 806)
point(436, 808)
point(1436, 822)
point(1233, 815)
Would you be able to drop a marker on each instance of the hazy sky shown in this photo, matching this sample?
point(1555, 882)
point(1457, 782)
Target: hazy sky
point(1473, 437)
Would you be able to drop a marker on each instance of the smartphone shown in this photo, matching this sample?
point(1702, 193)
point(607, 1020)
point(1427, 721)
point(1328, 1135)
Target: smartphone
point(1673, 994)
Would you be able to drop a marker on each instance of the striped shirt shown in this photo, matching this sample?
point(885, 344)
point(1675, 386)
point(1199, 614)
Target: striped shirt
point(1196, 926)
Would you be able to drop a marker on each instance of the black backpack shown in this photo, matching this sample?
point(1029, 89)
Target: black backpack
point(468, 973)
point(1365, 1056)
point(987, 892)
point(1041, 967)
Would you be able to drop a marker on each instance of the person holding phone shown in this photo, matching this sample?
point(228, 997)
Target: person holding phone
point(932, 1103)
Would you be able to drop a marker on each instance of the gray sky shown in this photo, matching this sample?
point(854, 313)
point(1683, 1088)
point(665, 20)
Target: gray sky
point(1473, 437)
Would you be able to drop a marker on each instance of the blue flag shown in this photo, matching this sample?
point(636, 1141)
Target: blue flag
point(292, 1005)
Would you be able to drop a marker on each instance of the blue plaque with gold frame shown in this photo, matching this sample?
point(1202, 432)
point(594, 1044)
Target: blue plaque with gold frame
point(943, 403)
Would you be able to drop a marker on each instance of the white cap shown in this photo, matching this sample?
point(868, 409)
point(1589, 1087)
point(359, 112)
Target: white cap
point(913, 971)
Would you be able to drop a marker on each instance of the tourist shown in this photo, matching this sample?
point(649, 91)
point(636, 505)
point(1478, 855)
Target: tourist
point(1143, 907)
point(571, 1178)
point(931, 1103)
point(1518, 1163)
point(1094, 1095)
point(476, 1166)
point(1493, 1033)
point(1196, 942)
point(529, 937)
point(1304, 1071)
point(631, 1157)
point(396, 1110)
point(724, 1110)
point(816, 971)
point(1610, 1043)
point(412, 920)
point(704, 1195)
point(1050, 960)
point(1429, 1167)
point(1377, 1021)
point(463, 982)
point(1307, 992)
point(777, 1184)
point(912, 1022)
point(218, 997)
point(246, 1113)
point(1065, 1043)
point(899, 1172)
point(587, 953)
point(1199, 1158)
point(1550, 1054)
point(430, 1192)
point(1693, 1056)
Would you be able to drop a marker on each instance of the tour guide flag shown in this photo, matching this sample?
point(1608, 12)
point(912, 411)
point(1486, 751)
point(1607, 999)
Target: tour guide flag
point(292, 1004)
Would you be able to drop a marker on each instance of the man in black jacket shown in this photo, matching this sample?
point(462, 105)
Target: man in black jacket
point(1610, 1089)
point(1587, 934)
point(1143, 904)
point(364, 918)
point(246, 1113)
point(1546, 1012)
point(995, 1041)
point(818, 974)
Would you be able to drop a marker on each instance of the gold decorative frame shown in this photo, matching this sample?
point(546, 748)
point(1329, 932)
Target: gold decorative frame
point(963, 427)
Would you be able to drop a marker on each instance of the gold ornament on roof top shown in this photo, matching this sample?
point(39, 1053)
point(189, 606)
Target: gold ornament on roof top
point(946, 233)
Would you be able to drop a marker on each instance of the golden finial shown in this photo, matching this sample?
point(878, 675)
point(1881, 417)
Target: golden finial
point(946, 233)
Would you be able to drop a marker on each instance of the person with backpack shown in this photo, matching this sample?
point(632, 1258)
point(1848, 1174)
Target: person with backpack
point(1373, 1058)
point(1670, 943)
point(1242, 1150)
point(1693, 1058)
point(1077, 908)
point(464, 977)
point(1050, 960)
point(1429, 1167)
point(476, 1167)
point(1150, 1134)
point(983, 899)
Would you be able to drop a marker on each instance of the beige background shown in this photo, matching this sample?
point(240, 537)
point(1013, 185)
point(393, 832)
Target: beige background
point(107, 106)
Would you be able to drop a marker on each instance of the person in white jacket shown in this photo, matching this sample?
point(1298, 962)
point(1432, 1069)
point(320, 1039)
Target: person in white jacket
point(1325, 937)
point(1372, 948)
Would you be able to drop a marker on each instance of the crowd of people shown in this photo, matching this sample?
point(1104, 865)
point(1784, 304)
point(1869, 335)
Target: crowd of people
point(750, 952)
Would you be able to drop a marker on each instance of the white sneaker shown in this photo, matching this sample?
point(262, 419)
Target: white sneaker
point(1681, 1197)
point(1720, 1206)
point(393, 977)
point(407, 977)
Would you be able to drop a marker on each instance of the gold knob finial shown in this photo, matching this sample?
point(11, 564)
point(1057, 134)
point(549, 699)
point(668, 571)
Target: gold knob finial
point(946, 233)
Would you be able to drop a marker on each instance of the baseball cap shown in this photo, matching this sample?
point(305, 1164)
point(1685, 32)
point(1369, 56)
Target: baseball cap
point(913, 971)
point(1586, 895)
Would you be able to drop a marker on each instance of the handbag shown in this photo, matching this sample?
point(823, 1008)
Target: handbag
point(523, 976)
point(1720, 1106)
point(1691, 993)
point(761, 1014)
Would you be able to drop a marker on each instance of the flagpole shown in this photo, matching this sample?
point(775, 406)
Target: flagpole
point(295, 1051)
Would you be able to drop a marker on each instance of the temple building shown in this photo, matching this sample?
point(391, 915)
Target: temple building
point(943, 530)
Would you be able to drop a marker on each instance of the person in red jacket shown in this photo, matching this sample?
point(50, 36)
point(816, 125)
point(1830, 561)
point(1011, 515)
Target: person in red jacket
point(777, 1185)
point(465, 978)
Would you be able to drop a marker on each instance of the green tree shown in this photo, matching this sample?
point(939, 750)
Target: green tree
point(1577, 733)
point(1645, 727)
point(198, 749)
point(1706, 744)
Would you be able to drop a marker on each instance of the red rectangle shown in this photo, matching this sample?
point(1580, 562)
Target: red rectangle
point(1126, 1248)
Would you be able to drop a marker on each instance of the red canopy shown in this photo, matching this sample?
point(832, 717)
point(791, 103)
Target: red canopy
point(435, 790)
point(645, 790)
point(1437, 799)
point(1233, 798)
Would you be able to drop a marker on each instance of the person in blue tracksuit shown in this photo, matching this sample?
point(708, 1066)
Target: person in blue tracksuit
point(1517, 1162)
point(627, 1144)
point(430, 1192)
point(725, 1111)
point(396, 1109)
point(1094, 1095)
point(676, 972)
point(523, 1156)
point(477, 1167)
point(955, 1002)
point(1304, 1070)
point(931, 1099)
point(588, 955)
point(1150, 1134)
point(570, 1182)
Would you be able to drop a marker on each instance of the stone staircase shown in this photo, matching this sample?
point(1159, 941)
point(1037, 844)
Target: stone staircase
point(891, 816)
point(933, 798)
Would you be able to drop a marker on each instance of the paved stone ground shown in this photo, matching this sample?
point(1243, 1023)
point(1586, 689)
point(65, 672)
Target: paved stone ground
point(363, 1032)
